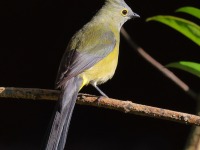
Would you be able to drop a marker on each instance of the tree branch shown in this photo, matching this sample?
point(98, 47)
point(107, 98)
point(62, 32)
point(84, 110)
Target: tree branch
point(86, 99)
point(193, 141)
point(159, 66)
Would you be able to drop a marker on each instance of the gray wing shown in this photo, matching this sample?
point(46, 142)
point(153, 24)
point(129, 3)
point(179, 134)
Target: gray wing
point(76, 60)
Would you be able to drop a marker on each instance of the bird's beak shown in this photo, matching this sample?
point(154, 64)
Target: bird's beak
point(134, 15)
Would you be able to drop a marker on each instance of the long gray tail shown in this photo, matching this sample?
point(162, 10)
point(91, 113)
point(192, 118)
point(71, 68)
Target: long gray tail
point(62, 116)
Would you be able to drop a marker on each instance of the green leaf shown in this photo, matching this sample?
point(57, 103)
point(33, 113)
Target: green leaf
point(187, 28)
point(190, 10)
point(191, 67)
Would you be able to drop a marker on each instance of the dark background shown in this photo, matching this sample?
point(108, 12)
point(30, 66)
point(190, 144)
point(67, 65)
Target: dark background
point(34, 35)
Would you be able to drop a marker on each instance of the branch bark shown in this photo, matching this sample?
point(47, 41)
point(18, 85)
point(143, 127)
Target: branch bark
point(86, 99)
point(193, 142)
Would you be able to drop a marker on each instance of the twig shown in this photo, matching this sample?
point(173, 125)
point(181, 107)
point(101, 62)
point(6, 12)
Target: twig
point(159, 66)
point(193, 141)
point(85, 99)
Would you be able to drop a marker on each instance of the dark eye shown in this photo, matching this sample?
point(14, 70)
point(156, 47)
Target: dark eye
point(124, 12)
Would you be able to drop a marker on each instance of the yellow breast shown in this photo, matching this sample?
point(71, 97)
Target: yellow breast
point(103, 70)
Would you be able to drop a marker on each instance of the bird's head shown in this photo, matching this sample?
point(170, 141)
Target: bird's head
point(119, 7)
point(117, 11)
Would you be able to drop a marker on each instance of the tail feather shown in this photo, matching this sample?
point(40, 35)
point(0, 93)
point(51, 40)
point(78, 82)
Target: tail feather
point(62, 116)
point(63, 137)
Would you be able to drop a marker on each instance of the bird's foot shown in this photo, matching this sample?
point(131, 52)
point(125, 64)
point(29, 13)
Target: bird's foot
point(99, 98)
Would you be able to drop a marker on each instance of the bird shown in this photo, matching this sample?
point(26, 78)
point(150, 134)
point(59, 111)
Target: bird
point(90, 58)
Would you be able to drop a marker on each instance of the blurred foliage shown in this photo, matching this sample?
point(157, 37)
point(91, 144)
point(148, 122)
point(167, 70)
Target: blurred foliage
point(189, 29)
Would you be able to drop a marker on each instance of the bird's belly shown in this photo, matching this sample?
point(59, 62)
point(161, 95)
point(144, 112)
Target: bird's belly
point(103, 70)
